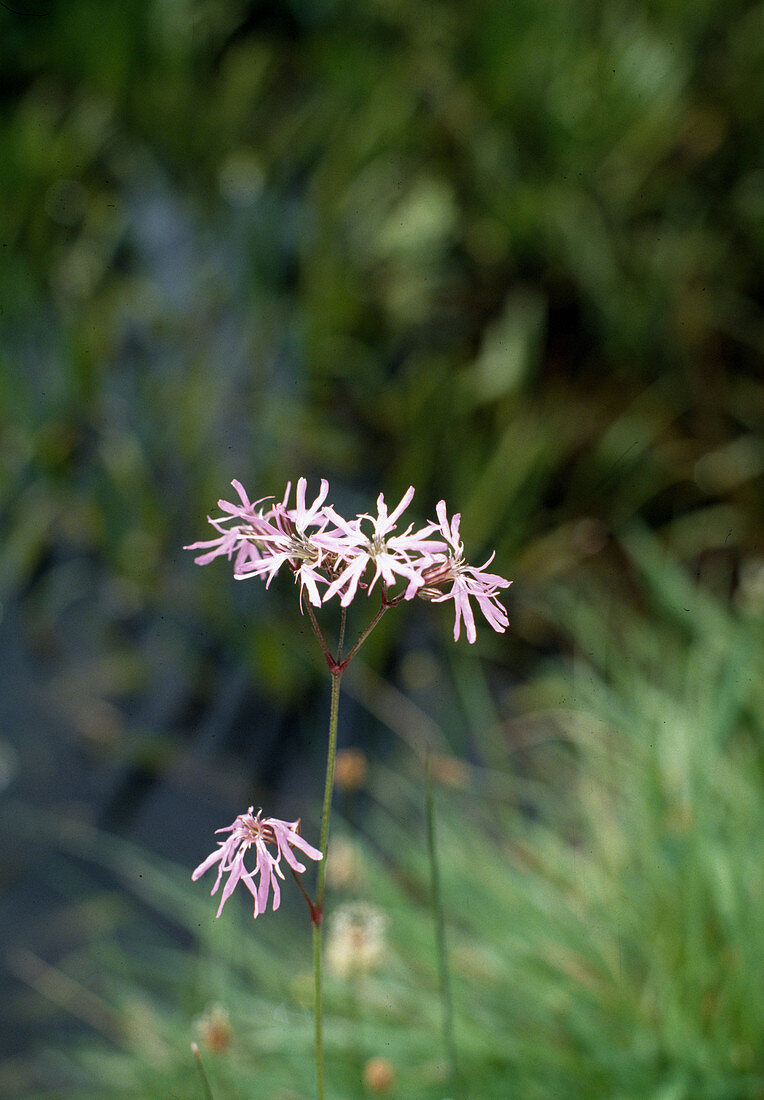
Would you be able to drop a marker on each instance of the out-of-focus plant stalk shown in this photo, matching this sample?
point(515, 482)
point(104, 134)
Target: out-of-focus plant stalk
point(440, 936)
point(202, 1072)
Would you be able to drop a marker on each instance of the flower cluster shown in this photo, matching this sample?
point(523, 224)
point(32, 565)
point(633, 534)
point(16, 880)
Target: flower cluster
point(251, 830)
point(332, 556)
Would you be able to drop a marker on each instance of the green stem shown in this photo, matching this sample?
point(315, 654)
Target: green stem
point(321, 886)
point(318, 1009)
point(334, 710)
point(440, 935)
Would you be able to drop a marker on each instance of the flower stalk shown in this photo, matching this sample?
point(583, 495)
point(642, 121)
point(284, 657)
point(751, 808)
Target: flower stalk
point(444, 978)
point(202, 1072)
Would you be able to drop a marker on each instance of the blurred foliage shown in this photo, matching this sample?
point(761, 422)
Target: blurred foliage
point(508, 253)
point(602, 892)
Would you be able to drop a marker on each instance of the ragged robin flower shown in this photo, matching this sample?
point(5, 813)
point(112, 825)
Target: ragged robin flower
point(265, 540)
point(392, 557)
point(253, 831)
point(466, 581)
point(288, 539)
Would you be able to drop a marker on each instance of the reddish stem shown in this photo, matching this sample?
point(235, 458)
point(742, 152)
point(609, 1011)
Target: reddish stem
point(317, 631)
point(316, 911)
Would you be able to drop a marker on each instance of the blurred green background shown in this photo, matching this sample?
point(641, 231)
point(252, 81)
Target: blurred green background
point(508, 252)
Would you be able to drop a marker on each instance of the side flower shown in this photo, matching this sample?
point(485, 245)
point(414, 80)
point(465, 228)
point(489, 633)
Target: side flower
point(465, 581)
point(238, 538)
point(265, 540)
point(263, 834)
point(285, 536)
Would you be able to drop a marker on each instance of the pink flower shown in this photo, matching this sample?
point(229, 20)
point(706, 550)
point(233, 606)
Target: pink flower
point(392, 556)
point(238, 538)
point(284, 536)
point(250, 830)
point(265, 541)
point(467, 582)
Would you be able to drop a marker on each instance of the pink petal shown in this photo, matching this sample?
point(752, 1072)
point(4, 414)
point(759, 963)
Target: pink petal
point(406, 499)
point(206, 864)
